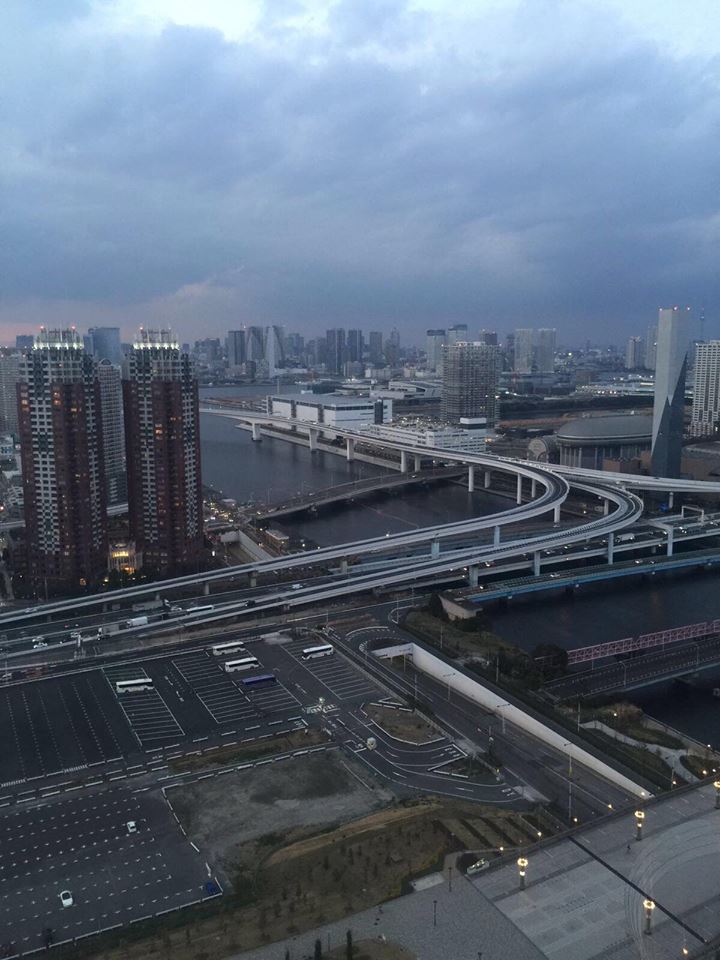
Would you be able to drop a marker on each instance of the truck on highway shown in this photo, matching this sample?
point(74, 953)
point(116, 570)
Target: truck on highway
point(625, 538)
point(136, 622)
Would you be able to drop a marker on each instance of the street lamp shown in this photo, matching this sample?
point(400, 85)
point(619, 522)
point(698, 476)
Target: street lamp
point(639, 818)
point(522, 867)
point(717, 794)
point(649, 907)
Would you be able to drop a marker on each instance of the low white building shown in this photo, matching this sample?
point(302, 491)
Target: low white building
point(331, 409)
point(469, 436)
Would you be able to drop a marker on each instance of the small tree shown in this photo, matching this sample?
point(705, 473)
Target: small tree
point(348, 945)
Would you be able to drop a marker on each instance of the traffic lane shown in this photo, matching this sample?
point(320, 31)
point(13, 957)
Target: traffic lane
point(405, 754)
point(496, 794)
point(519, 751)
point(83, 845)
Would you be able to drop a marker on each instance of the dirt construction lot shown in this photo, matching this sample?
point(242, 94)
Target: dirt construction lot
point(277, 803)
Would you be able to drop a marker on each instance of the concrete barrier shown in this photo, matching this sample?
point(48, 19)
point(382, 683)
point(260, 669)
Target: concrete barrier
point(473, 690)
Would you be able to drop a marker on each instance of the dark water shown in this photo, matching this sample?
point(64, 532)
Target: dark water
point(614, 612)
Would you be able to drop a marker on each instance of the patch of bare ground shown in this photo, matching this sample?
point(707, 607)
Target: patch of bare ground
point(403, 724)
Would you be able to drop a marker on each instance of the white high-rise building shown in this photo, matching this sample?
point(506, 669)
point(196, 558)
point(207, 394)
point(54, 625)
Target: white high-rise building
point(433, 346)
point(706, 394)
point(524, 343)
point(113, 426)
point(669, 406)
point(545, 349)
point(634, 353)
point(651, 346)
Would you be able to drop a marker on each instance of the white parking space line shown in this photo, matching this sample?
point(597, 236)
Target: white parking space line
point(344, 680)
point(222, 697)
point(149, 716)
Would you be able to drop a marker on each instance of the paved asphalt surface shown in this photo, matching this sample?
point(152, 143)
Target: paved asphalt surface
point(76, 732)
point(82, 845)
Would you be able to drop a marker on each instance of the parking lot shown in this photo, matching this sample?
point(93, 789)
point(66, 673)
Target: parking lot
point(342, 680)
point(82, 845)
point(68, 723)
point(151, 720)
point(54, 725)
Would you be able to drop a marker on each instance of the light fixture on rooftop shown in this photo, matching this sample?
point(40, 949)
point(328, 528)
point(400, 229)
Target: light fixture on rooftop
point(649, 906)
point(522, 867)
point(639, 819)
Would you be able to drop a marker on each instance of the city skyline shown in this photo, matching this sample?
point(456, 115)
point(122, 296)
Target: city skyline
point(337, 165)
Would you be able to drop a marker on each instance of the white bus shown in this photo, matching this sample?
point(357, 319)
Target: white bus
point(134, 686)
point(246, 663)
point(232, 646)
point(208, 608)
point(321, 650)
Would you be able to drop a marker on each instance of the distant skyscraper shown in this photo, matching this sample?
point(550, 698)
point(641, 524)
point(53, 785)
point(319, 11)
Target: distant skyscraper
point(235, 346)
point(669, 407)
point(111, 414)
point(275, 348)
point(106, 344)
point(489, 337)
point(392, 348)
point(336, 349)
point(545, 350)
point(651, 346)
point(354, 346)
point(375, 346)
point(255, 344)
point(62, 456)
point(523, 358)
point(470, 380)
point(24, 341)
point(706, 393)
point(458, 331)
point(634, 353)
point(434, 343)
point(162, 439)
point(9, 375)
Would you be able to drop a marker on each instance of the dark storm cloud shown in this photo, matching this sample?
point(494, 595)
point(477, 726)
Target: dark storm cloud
point(386, 172)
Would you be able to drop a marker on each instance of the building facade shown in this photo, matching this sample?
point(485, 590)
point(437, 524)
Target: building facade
point(470, 381)
point(113, 428)
point(706, 394)
point(9, 376)
point(106, 344)
point(60, 428)
point(162, 440)
point(634, 353)
point(416, 432)
point(545, 350)
point(523, 350)
point(669, 405)
point(434, 342)
point(235, 347)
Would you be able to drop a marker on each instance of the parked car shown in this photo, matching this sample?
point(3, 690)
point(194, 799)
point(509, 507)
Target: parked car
point(477, 867)
point(66, 898)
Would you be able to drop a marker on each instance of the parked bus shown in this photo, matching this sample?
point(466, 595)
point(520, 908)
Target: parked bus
point(246, 663)
point(134, 686)
point(259, 680)
point(321, 650)
point(208, 608)
point(232, 646)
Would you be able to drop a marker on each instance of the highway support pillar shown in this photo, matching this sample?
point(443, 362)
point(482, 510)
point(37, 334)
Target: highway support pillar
point(671, 499)
point(206, 588)
point(611, 548)
point(496, 536)
point(344, 566)
point(536, 563)
point(256, 435)
point(488, 479)
point(472, 576)
point(417, 467)
point(350, 449)
point(670, 533)
point(556, 514)
point(518, 498)
point(434, 548)
point(313, 438)
point(253, 580)
point(471, 479)
point(606, 507)
point(404, 465)
point(533, 488)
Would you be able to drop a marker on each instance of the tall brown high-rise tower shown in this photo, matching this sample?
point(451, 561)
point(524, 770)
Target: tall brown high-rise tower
point(162, 440)
point(62, 457)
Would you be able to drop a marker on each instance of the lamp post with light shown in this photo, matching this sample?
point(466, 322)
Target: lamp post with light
point(649, 907)
point(522, 867)
point(639, 819)
point(717, 794)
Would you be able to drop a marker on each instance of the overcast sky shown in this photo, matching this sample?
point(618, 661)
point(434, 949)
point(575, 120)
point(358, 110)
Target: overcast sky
point(379, 163)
